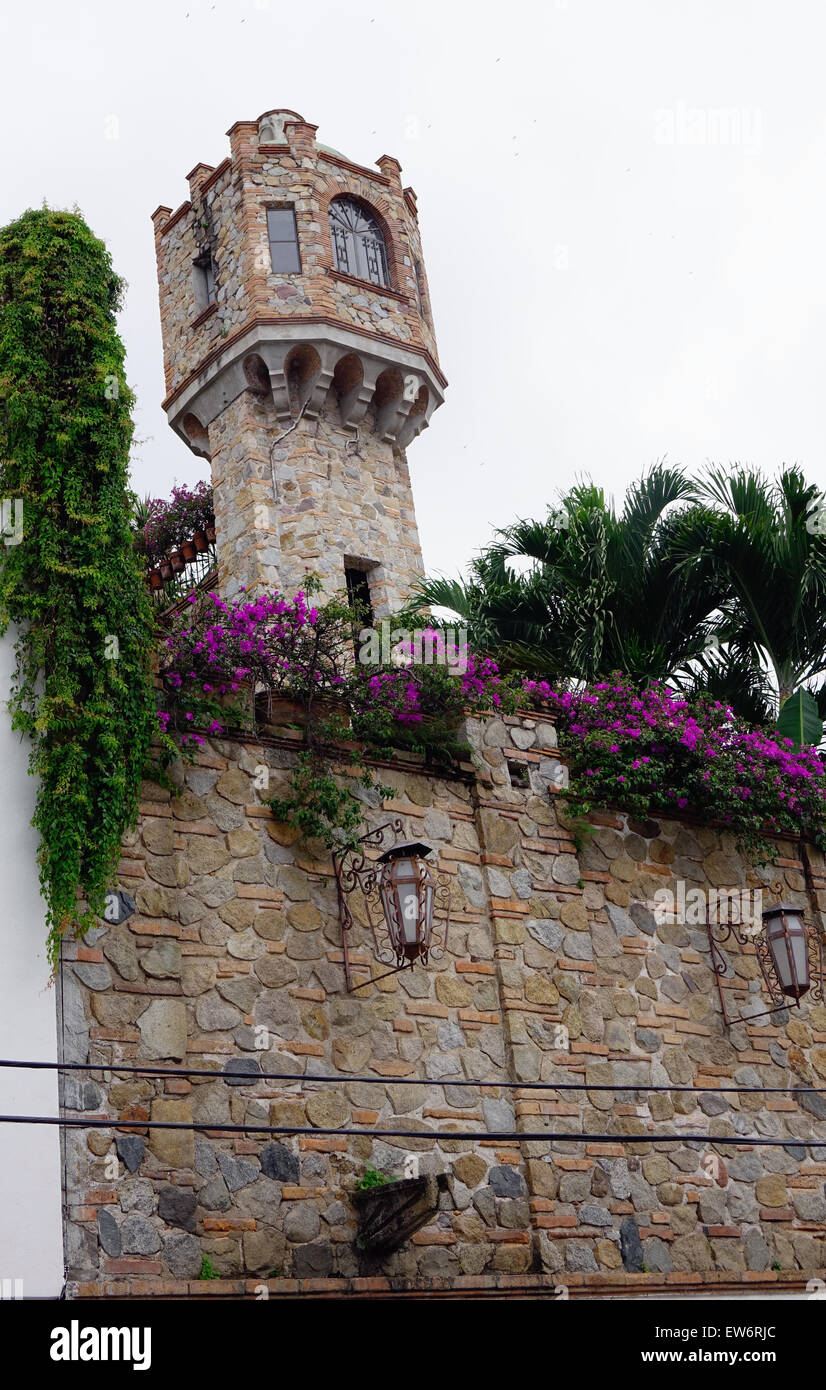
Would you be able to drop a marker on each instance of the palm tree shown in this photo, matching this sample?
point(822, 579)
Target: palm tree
point(142, 511)
point(764, 547)
point(602, 594)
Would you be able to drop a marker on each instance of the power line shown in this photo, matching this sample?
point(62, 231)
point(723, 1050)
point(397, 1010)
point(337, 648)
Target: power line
point(410, 1080)
point(542, 1136)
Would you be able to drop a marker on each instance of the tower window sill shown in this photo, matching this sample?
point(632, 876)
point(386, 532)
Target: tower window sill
point(368, 285)
point(204, 315)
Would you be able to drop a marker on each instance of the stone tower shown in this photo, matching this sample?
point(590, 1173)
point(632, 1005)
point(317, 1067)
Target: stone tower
point(300, 358)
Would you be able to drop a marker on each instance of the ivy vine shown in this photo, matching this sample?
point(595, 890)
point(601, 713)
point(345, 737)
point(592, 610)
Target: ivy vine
point(70, 583)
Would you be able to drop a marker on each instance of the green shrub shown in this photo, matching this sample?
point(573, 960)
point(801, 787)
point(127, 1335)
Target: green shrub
point(71, 586)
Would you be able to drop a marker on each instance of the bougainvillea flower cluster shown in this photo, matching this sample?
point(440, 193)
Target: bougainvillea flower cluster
point(651, 749)
point(225, 650)
point(169, 523)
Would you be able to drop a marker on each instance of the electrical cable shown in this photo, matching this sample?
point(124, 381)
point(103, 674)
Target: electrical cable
point(501, 1136)
point(290, 1078)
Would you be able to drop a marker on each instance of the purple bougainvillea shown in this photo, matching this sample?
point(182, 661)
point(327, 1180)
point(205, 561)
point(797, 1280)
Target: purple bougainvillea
point(651, 749)
point(220, 651)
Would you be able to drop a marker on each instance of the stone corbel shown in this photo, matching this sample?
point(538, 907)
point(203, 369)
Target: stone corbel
point(390, 417)
point(275, 355)
point(355, 403)
point(316, 395)
point(402, 419)
point(409, 428)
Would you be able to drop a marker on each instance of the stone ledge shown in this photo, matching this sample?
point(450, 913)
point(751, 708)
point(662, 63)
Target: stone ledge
point(601, 1285)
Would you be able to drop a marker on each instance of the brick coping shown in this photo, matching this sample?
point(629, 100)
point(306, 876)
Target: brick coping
point(603, 1284)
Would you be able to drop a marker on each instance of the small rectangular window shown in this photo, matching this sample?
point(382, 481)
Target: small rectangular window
point(424, 307)
point(358, 592)
point(518, 774)
point(203, 272)
point(281, 230)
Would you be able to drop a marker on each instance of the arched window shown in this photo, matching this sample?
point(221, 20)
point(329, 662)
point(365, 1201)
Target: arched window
point(358, 244)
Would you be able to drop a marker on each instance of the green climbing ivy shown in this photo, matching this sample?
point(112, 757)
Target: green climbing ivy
point(320, 807)
point(70, 584)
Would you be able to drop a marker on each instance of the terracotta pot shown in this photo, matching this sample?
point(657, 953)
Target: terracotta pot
point(188, 550)
point(280, 710)
point(200, 542)
point(176, 560)
point(155, 579)
point(210, 533)
point(166, 569)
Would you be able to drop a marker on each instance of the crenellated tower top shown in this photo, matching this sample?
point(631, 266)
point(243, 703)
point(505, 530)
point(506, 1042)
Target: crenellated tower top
point(300, 356)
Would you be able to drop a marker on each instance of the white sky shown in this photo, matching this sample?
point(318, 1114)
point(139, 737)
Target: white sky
point(602, 297)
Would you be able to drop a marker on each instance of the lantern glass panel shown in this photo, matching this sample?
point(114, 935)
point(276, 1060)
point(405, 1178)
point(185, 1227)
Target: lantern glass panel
point(409, 906)
point(789, 951)
point(801, 962)
point(407, 893)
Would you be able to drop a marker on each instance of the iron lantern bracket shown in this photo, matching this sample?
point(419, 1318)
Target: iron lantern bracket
point(720, 932)
point(355, 869)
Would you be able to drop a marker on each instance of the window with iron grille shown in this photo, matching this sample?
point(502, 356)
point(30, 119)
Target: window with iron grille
point(358, 244)
point(283, 236)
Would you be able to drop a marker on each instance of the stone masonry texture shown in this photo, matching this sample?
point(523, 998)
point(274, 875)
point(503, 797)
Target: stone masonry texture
point(556, 971)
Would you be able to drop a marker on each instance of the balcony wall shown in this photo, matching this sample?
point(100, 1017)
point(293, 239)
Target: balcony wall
point(558, 970)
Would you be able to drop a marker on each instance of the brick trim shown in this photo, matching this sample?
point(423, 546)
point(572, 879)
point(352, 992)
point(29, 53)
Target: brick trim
point(199, 165)
point(276, 111)
point(204, 315)
point(176, 217)
point(368, 284)
point(581, 1286)
point(216, 174)
point(354, 168)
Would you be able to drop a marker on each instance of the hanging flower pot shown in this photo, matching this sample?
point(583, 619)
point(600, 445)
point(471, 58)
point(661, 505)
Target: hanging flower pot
point(389, 1214)
point(210, 531)
point(166, 569)
point(155, 579)
point(188, 550)
point(176, 560)
point(200, 541)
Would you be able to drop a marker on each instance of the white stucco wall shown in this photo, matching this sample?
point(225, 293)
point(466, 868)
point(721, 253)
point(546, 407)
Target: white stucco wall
point(31, 1241)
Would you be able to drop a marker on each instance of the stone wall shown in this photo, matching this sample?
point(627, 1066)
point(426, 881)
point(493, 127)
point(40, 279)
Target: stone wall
point(331, 505)
point(211, 225)
point(557, 971)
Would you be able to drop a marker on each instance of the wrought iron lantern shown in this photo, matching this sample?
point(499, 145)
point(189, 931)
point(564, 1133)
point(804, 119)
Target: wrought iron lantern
point(406, 888)
point(401, 895)
point(790, 953)
point(788, 946)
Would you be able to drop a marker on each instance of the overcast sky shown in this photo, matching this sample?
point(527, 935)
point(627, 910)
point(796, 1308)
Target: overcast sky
point(622, 207)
